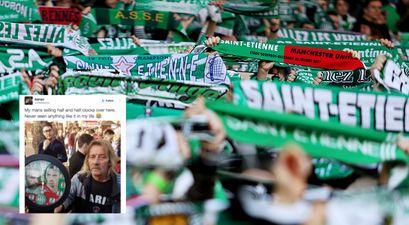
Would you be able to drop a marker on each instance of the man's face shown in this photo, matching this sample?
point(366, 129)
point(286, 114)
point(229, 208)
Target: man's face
point(98, 161)
point(274, 24)
point(342, 7)
point(31, 179)
point(111, 3)
point(109, 137)
point(374, 9)
point(323, 4)
point(51, 178)
point(335, 21)
point(48, 132)
point(365, 29)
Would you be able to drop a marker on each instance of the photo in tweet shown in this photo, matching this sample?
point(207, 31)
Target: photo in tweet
point(72, 165)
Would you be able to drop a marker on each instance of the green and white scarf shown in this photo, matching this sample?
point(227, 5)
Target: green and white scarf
point(176, 6)
point(11, 86)
point(112, 46)
point(290, 54)
point(116, 46)
point(376, 110)
point(88, 25)
point(310, 35)
point(160, 47)
point(318, 138)
point(183, 93)
point(36, 34)
point(19, 11)
point(24, 56)
point(181, 67)
point(318, 35)
point(226, 27)
point(254, 8)
point(393, 78)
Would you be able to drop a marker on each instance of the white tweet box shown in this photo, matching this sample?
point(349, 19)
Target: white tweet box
point(86, 112)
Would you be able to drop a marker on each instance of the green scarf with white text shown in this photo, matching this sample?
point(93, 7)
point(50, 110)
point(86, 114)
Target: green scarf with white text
point(319, 139)
point(19, 11)
point(41, 34)
point(177, 6)
point(371, 110)
point(24, 56)
point(182, 67)
point(393, 77)
point(138, 88)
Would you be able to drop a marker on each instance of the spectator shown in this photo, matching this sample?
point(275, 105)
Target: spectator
point(52, 177)
point(374, 18)
point(334, 19)
point(108, 135)
point(391, 16)
point(96, 188)
point(346, 21)
point(71, 141)
point(402, 9)
point(272, 28)
point(77, 159)
point(60, 135)
point(50, 145)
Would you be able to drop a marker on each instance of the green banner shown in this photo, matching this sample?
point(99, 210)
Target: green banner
point(36, 34)
point(160, 47)
point(393, 78)
point(88, 25)
point(11, 86)
point(107, 16)
point(175, 92)
point(326, 169)
point(177, 6)
point(182, 67)
point(24, 56)
point(319, 35)
point(138, 88)
point(148, 19)
point(254, 8)
point(304, 56)
point(112, 46)
point(116, 46)
point(377, 110)
point(19, 11)
point(319, 139)
point(309, 35)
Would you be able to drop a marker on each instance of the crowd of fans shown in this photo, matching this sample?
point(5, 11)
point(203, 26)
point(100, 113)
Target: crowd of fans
point(187, 166)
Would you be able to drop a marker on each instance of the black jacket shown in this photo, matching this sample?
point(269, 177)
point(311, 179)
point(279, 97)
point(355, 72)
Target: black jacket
point(78, 199)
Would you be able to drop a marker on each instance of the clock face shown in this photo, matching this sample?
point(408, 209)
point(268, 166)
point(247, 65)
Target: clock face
point(46, 182)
